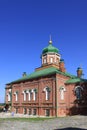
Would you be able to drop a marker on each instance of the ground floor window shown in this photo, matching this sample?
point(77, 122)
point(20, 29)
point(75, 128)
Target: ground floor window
point(47, 112)
point(29, 111)
point(16, 110)
point(34, 111)
point(25, 110)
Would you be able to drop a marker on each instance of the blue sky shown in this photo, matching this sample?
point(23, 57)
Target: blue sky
point(25, 26)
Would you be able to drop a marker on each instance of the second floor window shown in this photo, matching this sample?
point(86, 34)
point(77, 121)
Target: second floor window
point(16, 96)
point(29, 95)
point(62, 90)
point(47, 93)
point(78, 92)
point(9, 96)
point(34, 91)
point(24, 93)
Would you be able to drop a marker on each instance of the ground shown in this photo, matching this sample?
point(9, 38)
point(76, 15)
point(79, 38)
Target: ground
point(60, 123)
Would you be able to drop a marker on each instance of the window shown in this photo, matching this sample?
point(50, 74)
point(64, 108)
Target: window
point(57, 60)
point(25, 110)
point(9, 96)
point(51, 59)
point(34, 111)
point(29, 95)
point(16, 110)
point(62, 90)
point(16, 96)
point(78, 92)
point(44, 60)
point(47, 93)
point(29, 111)
point(47, 112)
point(24, 92)
point(34, 91)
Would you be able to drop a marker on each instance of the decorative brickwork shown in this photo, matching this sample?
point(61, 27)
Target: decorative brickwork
point(49, 91)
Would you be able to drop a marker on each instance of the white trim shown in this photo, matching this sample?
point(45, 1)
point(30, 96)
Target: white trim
point(9, 90)
point(62, 90)
point(16, 98)
point(9, 97)
point(78, 87)
point(34, 96)
point(27, 91)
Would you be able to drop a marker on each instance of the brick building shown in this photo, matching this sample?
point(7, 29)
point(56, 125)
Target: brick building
point(49, 90)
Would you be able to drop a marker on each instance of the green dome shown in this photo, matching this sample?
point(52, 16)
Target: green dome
point(50, 48)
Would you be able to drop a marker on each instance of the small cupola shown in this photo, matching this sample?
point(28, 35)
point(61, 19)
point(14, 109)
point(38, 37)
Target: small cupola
point(24, 74)
point(79, 72)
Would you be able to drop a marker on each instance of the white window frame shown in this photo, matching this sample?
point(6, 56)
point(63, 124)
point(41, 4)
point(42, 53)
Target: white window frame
point(62, 90)
point(47, 93)
point(16, 96)
point(34, 94)
point(9, 96)
point(44, 61)
point(29, 96)
point(80, 90)
point(51, 59)
point(24, 92)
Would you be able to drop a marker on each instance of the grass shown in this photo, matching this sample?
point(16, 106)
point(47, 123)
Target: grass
point(25, 119)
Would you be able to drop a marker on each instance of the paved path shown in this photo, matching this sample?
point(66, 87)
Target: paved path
point(62, 123)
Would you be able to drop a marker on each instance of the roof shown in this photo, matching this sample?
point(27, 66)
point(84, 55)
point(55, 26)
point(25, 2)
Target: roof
point(75, 80)
point(50, 48)
point(42, 73)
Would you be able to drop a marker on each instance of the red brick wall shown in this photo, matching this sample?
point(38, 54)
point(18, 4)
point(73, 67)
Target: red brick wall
point(40, 102)
point(55, 104)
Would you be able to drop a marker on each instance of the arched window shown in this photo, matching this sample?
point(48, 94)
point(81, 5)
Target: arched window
point(24, 92)
point(9, 96)
point(51, 60)
point(78, 92)
point(34, 91)
point(29, 92)
point(29, 95)
point(16, 96)
point(62, 90)
point(47, 93)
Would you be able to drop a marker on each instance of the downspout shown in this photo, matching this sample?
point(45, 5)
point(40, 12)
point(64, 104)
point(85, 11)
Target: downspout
point(56, 96)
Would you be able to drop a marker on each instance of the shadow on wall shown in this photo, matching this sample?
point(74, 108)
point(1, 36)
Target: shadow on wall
point(80, 104)
point(70, 128)
point(79, 108)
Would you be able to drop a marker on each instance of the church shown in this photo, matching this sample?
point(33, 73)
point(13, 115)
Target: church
point(50, 90)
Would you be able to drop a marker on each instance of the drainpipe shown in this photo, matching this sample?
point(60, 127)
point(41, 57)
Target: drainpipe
point(56, 96)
